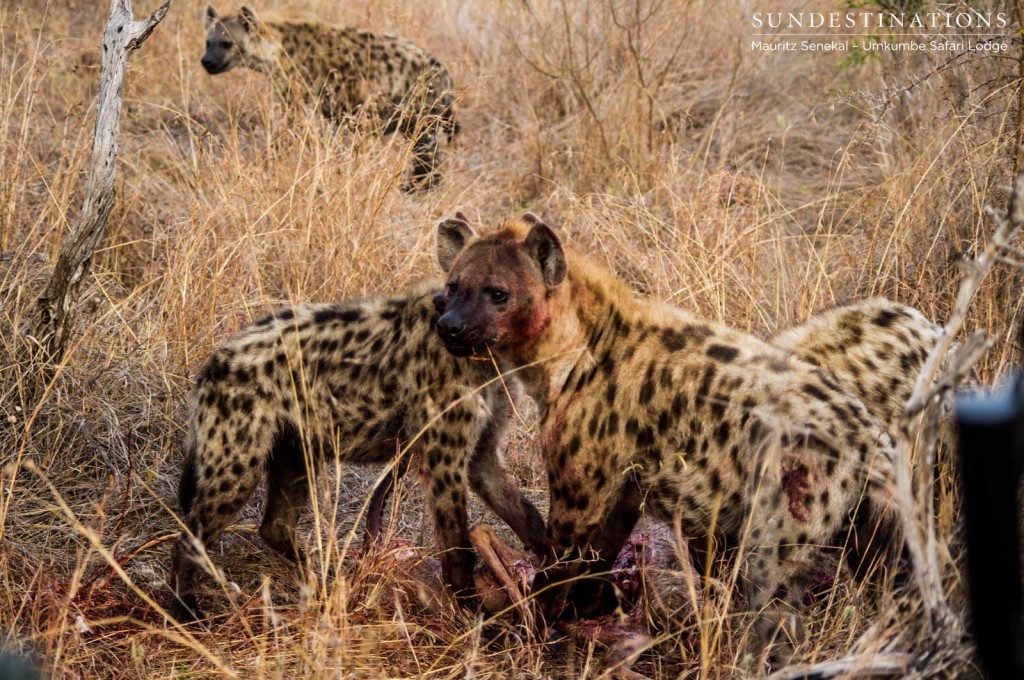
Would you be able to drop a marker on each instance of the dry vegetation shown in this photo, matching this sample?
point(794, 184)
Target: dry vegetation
point(754, 188)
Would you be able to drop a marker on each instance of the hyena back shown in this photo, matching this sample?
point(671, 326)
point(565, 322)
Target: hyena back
point(873, 348)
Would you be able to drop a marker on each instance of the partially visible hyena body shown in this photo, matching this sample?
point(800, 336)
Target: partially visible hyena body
point(357, 381)
point(874, 348)
point(645, 407)
point(343, 70)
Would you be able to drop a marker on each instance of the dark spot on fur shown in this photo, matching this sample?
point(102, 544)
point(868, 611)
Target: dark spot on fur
point(723, 353)
point(335, 314)
point(664, 422)
point(645, 438)
point(673, 340)
point(705, 383)
point(886, 317)
point(722, 433)
point(647, 389)
point(613, 423)
point(815, 392)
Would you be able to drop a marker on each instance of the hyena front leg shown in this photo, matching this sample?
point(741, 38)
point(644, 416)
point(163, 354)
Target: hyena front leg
point(498, 488)
point(585, 533)
point(446, 440)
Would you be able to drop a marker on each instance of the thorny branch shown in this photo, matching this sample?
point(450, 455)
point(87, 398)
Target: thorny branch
point(919, 426)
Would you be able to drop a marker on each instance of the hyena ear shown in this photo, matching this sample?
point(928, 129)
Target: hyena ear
point(544, 246)
point(210, 16)
point(452, 236)
point(248, 16)
point(530, 218)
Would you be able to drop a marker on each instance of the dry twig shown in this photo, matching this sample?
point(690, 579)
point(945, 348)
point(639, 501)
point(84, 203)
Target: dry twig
point(883, 665)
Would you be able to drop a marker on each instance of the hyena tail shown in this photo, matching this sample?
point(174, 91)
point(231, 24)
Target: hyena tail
point(188, 483)
point(451, 126)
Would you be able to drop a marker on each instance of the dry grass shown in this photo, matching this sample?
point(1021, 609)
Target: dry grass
point(752, 188)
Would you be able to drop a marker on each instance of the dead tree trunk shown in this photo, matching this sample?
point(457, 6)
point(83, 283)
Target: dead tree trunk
point(57, 305)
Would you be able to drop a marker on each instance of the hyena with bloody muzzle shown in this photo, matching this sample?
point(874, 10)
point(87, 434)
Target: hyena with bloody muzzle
point(357, 381)
point(645, 407)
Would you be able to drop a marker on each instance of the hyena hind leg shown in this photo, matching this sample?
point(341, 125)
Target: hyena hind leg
point(287, 492)
point(875, 546)
point(213, 489)
point(379, 498)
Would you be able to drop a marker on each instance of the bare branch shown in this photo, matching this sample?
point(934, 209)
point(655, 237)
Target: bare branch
point(1007, 227)
point(142, 29)
point(881, 665)
point(58, 303)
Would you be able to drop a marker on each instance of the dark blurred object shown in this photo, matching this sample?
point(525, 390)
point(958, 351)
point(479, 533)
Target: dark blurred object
point(991, 448)
point(14, 667)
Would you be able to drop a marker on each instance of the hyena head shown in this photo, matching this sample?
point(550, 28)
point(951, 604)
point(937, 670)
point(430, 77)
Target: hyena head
point(499, 286)
point(229, 39)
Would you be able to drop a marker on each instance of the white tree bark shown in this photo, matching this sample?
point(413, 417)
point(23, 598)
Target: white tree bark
point(58, 303)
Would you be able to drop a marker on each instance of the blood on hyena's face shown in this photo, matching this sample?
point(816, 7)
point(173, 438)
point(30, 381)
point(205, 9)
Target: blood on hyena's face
point(497, 291)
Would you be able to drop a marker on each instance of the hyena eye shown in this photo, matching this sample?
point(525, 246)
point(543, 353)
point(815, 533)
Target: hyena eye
point(498, 296)
point(224, 44)
point(451, 288)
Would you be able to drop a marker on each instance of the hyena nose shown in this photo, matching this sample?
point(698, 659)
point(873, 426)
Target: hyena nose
point(451, 325)
point(207, 64)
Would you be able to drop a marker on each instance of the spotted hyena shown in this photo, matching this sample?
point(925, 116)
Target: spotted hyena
point(357, 381)
point(645, 407)
point(343, 70)
point(874, 349)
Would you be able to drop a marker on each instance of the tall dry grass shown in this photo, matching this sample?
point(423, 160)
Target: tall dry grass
point(754, 188)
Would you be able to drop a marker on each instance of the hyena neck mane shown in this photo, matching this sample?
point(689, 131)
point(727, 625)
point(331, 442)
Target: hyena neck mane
point(279, 48)
point(266, 54)
point(588, 313)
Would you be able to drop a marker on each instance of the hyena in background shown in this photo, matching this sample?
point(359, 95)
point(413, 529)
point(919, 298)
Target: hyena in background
point(874, 349)
point(645, 407)
point(343, 70)
point(359, 381)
